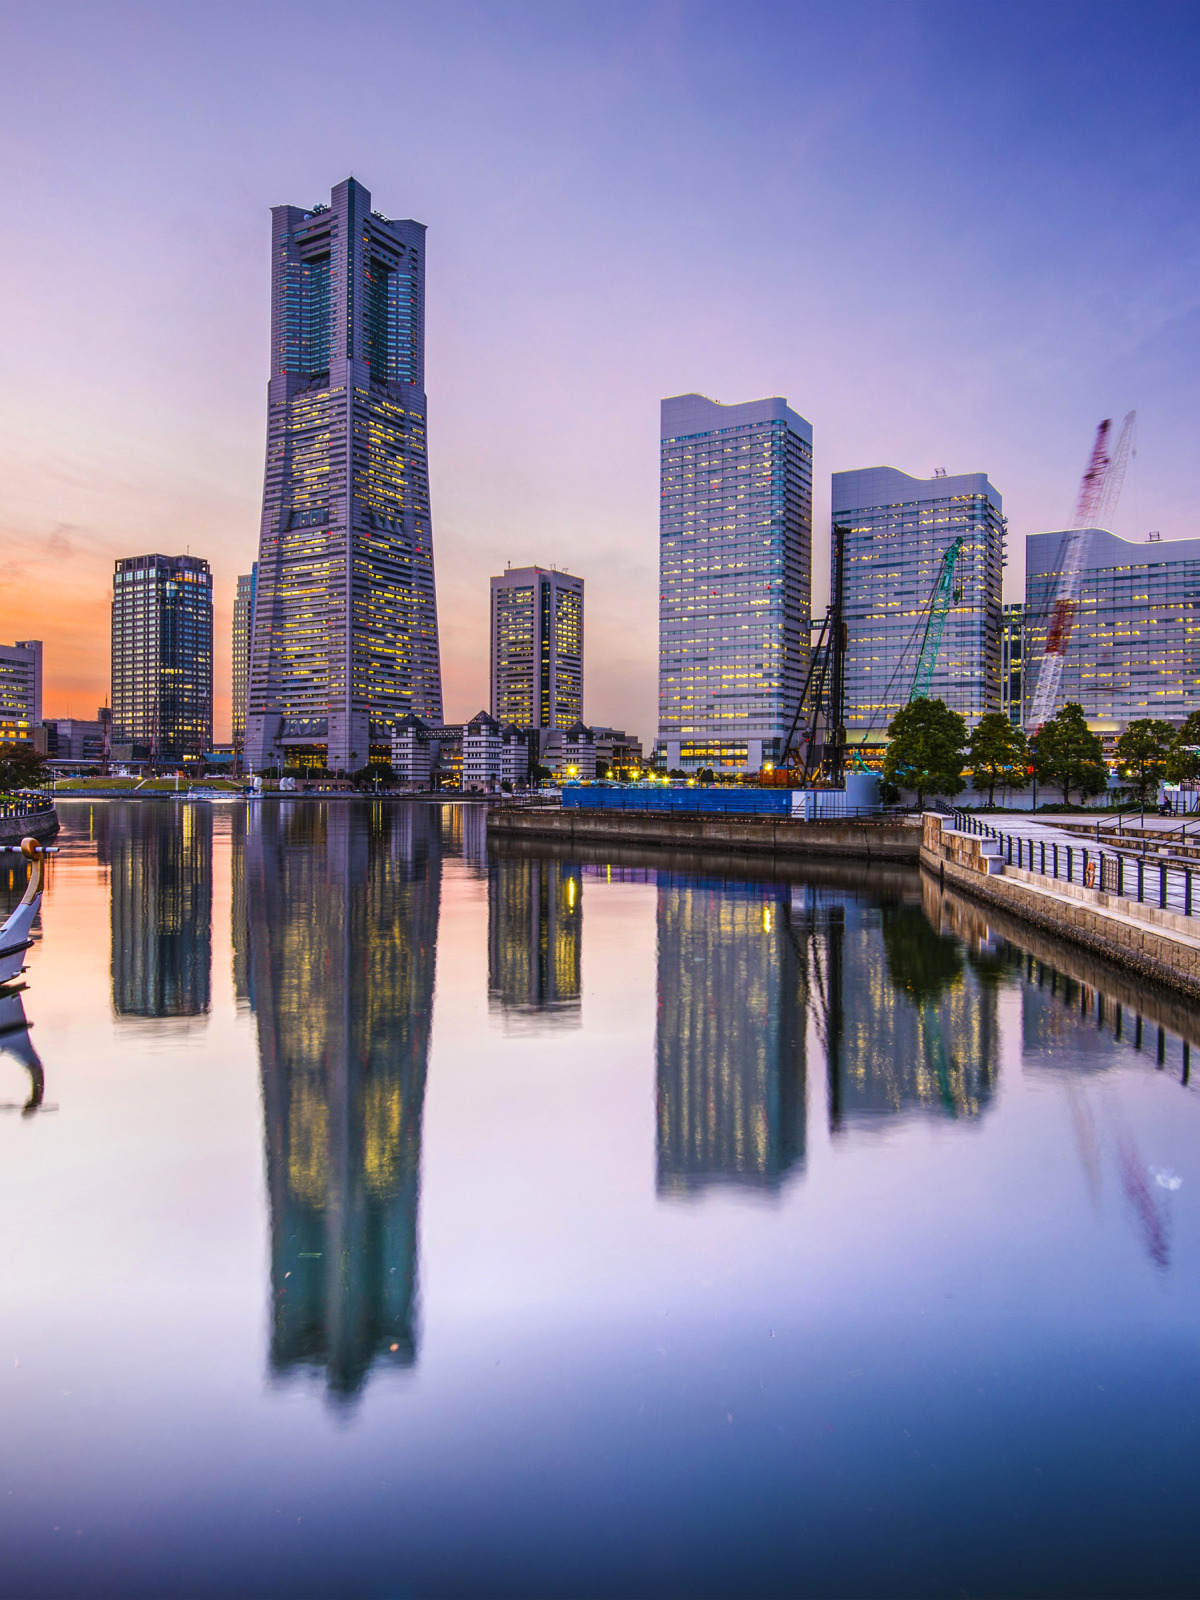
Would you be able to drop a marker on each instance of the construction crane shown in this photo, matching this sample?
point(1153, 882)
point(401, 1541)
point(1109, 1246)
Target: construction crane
point(1097, 500)
point(939, 607)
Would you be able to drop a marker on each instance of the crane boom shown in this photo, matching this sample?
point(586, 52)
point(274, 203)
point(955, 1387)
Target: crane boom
point(939, 606)
point(1098, 493)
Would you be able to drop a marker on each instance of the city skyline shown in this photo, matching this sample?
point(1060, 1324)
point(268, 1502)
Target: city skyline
point(549, 359)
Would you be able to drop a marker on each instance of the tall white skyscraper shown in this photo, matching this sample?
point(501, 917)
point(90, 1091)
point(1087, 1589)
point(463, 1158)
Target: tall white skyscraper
point(735, 590)
point(897, 531)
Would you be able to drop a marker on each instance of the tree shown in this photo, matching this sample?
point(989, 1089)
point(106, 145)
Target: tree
point(21, 767)
point(601, 769)
point(1183, 763)
point(1145, 748)
point(999, 754)
point(1068, 755)
point(927, 749)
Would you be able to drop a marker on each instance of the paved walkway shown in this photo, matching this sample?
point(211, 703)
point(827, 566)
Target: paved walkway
point(1117, 864)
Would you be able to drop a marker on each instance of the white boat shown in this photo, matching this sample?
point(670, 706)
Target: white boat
point(14, 935)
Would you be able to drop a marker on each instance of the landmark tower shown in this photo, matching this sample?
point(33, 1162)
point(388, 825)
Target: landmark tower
point(345, 637)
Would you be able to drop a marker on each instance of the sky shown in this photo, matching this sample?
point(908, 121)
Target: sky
point(952, 235)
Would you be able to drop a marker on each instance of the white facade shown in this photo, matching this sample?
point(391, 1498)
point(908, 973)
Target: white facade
point(412, 751)
point(483, 754)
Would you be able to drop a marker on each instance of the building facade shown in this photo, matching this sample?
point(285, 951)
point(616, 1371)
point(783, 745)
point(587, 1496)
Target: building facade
point(735, 592)
point(72, 740)
point(20, 691)
point(1134, 648)
point(243, 617)
point(898, 529)
point(537, 648)
point(162, 655)
point(345, 635)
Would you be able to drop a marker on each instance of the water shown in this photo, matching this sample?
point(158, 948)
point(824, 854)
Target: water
point(400, 1222)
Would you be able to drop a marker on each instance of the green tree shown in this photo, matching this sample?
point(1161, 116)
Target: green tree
point(927, 749)
point(1183, 763)
point(1068, 755)
point(22, 767)
point(999, 753)
point(1145, 748)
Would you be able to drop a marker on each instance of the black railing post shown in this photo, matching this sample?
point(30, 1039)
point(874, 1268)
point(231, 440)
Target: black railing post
point(1141, 879)
point(1054, 846)
point(1043, 858)
point(1121, 876)
point(1162, 885)
point(1187, 891)
point(1085, 866)
point(1070, 864)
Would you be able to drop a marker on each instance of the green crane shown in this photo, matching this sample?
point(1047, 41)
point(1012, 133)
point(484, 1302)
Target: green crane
point(944, 591)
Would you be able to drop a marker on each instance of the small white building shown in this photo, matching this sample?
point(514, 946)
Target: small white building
point(412, 751)
point(483, 755)
point(578, 753)
point(514, 755)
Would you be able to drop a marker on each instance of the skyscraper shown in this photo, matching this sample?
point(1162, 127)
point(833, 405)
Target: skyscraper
point(20, 690)
point(537, 648)
point(345, 639)
point(897, 531)
point(162, 665)
point(736, 579)
point(1134, 649)
point(243, 618)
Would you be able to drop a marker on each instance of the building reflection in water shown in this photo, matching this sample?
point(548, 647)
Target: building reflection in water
point(535, 940)
point(342, 917)
point(730, 1041)
point(910, 1017)
point(161, 873)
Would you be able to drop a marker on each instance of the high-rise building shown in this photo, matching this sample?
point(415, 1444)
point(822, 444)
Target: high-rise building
point(1134, 647)
point(1012, 664)
point(20, 691)
point(345, 639)
point(537, 648)
point(735, 579)
point(243, 619)
point(897, 531)
point(162, 655)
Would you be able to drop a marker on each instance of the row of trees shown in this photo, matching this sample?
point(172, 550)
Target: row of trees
point(930, 747)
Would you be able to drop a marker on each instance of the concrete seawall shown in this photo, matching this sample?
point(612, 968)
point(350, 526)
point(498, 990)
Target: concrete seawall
point(41, 825)
point(1162, 946)
point(859, 840)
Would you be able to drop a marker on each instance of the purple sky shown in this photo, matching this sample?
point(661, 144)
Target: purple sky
point(952, 235)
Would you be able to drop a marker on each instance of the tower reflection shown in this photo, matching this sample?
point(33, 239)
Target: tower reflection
point(730, 1040)
point(342, 914)
point(910, 1020)
point(161, 868)
point(535, 940)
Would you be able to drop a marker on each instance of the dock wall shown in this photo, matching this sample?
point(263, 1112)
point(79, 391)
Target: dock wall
point(1160, 945)
point(38, 825)
point(860, 840)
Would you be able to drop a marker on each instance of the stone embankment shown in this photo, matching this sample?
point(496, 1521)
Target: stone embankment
point(40, 824)
point(890, 839)
point(1161, 945)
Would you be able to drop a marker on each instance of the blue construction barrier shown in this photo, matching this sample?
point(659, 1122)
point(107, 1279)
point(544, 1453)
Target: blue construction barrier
point(733, 802)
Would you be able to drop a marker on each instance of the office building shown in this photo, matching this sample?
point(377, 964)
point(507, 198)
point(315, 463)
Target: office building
point(898, 529)
point(75, 741)
point(537, 648)
point(735, 580)
point(1012, 664)
point(20, 691)
point(162, 655)
point(619, 753)
point(243, 616)
point(345, 637)
point(1134, 648)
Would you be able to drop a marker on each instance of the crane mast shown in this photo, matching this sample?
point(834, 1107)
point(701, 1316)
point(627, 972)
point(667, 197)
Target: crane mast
point(935, 623)
point(1098, 494)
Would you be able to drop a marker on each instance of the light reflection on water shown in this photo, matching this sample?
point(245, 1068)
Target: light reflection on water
point(416, 1220)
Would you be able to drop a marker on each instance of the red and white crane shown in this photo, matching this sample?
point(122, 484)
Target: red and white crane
point(1098, 495)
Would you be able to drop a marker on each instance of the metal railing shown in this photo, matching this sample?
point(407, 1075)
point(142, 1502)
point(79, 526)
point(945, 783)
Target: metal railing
point(1167, 884)
point(25, 808)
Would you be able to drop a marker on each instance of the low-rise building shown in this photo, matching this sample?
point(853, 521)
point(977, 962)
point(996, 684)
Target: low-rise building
point(482, 754)
point(413, 750)
point(578, 758)
point(74, 741)
point(619, 752)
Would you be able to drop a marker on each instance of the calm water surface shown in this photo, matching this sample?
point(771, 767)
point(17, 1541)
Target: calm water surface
point(403, 1221)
